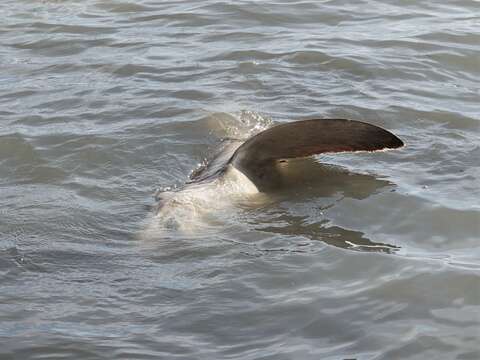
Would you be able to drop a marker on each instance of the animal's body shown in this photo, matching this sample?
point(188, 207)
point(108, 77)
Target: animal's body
point(243, 168)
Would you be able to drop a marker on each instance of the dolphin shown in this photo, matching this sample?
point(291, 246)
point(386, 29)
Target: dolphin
point(252, 167)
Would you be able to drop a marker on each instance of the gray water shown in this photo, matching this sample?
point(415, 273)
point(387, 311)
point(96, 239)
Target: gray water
point(363, 256)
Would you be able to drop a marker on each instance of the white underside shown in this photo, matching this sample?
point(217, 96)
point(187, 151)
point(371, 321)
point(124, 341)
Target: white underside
point(199, 205)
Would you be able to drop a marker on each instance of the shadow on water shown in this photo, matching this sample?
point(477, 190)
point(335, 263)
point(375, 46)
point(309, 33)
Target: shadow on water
point(306, 190)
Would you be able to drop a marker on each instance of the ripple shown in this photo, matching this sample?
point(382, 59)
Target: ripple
point(102, 102)
point(244, 55)
point(51, 47)
point(124, 7)
point(64, 28)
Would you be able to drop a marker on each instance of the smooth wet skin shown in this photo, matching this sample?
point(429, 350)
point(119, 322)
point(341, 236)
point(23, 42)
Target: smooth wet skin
point(259, 156)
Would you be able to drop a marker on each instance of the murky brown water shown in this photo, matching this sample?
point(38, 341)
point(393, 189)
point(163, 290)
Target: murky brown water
point(364, 256)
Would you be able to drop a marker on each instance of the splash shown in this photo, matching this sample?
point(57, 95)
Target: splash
point(237, 125)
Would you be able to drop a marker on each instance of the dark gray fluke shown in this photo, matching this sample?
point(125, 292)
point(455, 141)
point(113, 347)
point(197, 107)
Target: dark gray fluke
point(256, 157)
point(303, 138)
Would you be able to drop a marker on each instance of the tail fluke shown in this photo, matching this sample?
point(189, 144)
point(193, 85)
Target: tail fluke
point(306, 138)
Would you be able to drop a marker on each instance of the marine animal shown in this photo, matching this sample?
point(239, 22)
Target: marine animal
point(242, 168)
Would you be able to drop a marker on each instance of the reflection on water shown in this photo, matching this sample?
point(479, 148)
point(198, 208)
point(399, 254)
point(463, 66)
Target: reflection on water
point(331, 235)
point(306, 181)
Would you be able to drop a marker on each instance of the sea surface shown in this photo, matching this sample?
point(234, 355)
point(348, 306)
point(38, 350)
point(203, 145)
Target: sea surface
point(105, 103)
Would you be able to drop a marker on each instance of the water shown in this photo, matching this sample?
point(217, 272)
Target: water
point(364, 256)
